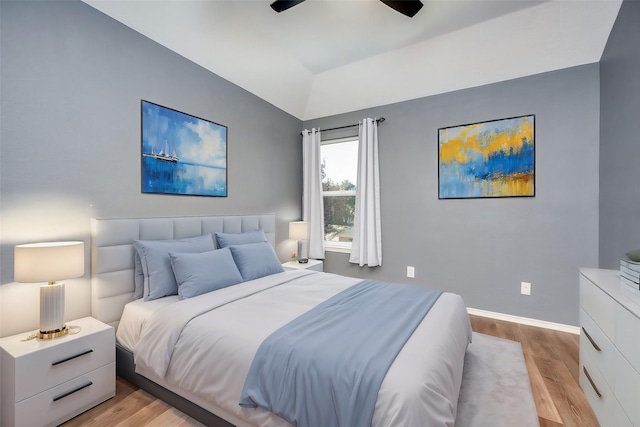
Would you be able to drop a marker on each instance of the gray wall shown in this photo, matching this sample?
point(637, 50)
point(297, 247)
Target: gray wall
point(484, 248)
point(71, 81)
point(619, 138)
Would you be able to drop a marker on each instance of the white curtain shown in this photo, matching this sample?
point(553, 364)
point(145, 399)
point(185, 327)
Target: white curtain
point(312, 204)
point(366, 248)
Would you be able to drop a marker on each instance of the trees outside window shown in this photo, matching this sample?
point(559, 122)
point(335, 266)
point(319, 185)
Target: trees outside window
point(339, 171)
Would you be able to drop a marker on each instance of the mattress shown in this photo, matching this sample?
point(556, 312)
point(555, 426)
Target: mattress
point(202, 347)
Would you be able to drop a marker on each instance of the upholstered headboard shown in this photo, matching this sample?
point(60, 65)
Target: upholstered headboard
point(112, 256)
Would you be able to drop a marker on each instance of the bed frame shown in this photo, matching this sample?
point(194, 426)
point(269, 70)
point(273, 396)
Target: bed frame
point(112, 282)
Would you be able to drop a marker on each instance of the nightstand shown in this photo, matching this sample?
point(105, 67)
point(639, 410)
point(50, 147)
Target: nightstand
point(47, 382)
point(313, 264)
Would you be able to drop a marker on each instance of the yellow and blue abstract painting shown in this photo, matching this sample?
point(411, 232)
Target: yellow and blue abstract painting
point(182, 154)
point(489, 159)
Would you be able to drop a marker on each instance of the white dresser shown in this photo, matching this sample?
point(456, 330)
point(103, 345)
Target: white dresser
point(46, 382)
point(610, 347)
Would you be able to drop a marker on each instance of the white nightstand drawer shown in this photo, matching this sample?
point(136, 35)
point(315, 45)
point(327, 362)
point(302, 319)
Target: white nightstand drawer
point(40, 370)
point(67, 400)
point(312, 264)
point(597, 346)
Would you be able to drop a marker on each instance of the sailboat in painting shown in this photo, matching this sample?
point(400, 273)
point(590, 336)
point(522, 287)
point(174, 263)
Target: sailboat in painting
point(163, 155)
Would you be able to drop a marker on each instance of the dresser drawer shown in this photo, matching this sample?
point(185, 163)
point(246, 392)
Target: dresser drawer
point(598, 392)
point(67, 400)
point(627, 389)
point(598, 305)
point(595, 344)
point(620, 417)
point(627, 335)
point(610, 313)
point(40, 370)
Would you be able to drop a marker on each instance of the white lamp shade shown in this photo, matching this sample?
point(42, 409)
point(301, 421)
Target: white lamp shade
point(48, 262)
point(298, 230)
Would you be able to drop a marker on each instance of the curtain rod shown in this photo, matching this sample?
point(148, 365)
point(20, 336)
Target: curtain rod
point(380, 120)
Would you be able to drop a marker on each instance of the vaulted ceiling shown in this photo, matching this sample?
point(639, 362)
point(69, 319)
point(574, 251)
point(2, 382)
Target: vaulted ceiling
point(325, 57)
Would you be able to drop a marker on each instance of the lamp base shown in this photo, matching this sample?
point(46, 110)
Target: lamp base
point(52, 309)
point(303, 251)
point(56, 333)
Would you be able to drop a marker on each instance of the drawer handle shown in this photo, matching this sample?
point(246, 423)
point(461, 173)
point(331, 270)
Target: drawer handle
point(593, 343)
point(70, 392)
point(584, 368)
point(71, 357)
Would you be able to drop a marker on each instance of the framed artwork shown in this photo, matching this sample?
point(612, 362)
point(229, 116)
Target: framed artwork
point(495, 158)
point(182, 154)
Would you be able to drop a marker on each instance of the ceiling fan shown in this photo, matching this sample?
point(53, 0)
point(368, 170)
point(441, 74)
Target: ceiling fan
point(405, 7)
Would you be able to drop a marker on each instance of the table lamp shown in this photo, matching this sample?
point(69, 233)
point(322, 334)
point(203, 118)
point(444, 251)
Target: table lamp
point(49, 262)
point(299, 230)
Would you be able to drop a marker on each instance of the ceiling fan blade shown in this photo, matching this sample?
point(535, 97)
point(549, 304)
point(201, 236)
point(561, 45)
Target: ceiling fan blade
point(281, 5)
point(406, 7)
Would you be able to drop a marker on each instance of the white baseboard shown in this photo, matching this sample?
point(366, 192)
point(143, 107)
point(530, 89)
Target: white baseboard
point(525, 321)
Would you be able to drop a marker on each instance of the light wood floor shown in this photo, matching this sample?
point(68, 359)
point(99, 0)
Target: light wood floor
point(551, 358)
point(552, 362)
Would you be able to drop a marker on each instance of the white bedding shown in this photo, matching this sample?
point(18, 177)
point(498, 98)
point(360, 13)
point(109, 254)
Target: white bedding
point(202, 348)
point(135, 314)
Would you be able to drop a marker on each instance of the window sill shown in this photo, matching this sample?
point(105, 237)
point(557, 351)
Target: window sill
point(337, 248)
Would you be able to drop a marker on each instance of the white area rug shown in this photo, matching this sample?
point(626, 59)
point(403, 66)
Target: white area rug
point(495, 390)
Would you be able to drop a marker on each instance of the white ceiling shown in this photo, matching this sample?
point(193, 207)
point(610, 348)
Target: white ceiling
point(325, 57)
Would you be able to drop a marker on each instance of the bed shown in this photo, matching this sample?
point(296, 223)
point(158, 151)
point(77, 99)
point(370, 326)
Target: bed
point(195, 353)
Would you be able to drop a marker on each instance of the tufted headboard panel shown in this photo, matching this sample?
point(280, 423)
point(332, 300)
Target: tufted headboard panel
point(112, 256)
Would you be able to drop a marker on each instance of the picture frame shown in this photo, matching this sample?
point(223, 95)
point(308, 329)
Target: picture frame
point(182, 154)
point(490, 159)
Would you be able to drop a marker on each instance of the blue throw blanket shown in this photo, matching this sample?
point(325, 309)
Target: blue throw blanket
point(325, 367)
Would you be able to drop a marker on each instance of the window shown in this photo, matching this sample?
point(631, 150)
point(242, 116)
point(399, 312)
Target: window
point(339, 177)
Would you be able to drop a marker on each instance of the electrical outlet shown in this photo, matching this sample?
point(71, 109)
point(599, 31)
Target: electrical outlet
point(525, 288)
point(411, 272)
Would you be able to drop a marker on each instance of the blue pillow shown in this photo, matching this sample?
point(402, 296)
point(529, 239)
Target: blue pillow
point(159, 280)
point(138, 276)
point(228, 239)
point(255, 260)
point(199, 273)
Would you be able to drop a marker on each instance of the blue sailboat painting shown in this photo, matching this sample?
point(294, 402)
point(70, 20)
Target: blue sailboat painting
point(182, 154)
